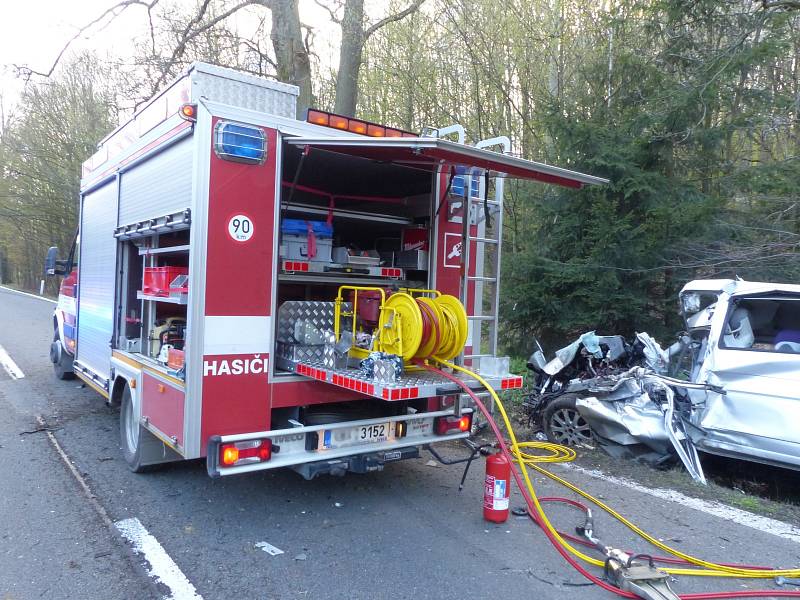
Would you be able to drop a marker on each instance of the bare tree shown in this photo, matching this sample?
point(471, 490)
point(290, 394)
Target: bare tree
point(351, 50)
point(292, 54)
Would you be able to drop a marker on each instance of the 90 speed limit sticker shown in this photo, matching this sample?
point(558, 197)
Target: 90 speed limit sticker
point(240, 228)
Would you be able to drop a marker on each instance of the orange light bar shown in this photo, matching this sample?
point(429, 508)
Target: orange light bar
point(338, 122)
point(357, 126)
point(326, 119)
point(318, 117)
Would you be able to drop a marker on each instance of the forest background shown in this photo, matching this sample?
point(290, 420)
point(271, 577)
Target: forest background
point(690, 107)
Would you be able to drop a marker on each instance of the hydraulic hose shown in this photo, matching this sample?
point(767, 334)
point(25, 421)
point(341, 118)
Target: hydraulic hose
point(560, 454)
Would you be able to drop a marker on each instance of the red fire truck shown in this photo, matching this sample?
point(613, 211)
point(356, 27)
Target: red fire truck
point(231, 273)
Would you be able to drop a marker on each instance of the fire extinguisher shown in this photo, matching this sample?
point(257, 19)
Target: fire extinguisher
point(495, 491)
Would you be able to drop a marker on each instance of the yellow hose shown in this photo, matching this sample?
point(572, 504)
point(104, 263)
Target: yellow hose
point(559, 453)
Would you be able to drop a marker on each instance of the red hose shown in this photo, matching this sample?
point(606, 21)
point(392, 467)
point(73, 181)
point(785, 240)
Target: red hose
point(535, 515)
point(662, 559)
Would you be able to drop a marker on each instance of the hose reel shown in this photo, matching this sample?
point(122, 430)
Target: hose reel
point(413, 324)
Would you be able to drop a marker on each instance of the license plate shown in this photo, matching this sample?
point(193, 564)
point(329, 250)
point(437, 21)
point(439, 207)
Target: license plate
point(373, 433)
point(354, 436)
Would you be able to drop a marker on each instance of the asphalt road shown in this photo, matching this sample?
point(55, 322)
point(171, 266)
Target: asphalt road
point(405, 532)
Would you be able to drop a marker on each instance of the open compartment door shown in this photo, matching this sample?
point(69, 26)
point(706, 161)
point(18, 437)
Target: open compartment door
point(435, 154)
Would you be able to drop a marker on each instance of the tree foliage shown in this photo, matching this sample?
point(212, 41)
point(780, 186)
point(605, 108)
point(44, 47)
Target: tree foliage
point(689, 108)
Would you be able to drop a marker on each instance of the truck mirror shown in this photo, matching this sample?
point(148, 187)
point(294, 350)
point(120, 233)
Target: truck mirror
point(53, 266)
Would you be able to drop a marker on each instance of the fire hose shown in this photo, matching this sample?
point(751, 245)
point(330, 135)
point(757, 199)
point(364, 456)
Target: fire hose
point(428, 331)
point(561, 454)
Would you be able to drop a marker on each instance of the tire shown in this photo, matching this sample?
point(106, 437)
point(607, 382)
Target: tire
point(131, 433)
point(62, 364)
point(564, 425)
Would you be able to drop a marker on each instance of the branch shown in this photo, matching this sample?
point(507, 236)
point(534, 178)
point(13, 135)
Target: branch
point(392, 18)
point(330, 11)
point(188, 35)
point(790, 4)
point(115, 11)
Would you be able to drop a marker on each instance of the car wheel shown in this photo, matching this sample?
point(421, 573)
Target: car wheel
point(564, 425)
point(131, 434)
point(62, 365)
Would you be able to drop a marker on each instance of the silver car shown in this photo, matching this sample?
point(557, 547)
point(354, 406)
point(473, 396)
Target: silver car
point(745, 341)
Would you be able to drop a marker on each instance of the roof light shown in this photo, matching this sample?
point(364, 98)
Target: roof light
point(318, 117)
point(188, 112)
point(338, 122)
point(357, 126)
point(326, 119)
point(240, 143)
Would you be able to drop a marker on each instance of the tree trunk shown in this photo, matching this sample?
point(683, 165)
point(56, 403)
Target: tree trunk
point(291, 54)
point(350, 55)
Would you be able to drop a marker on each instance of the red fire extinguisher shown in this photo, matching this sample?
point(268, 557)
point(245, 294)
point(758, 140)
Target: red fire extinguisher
point(495, 491)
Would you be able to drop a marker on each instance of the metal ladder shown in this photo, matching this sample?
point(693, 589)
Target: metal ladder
point(488, 240)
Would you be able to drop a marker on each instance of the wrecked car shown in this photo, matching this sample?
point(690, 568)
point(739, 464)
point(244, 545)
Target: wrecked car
point(746, 342)
point(730, 385)
point(607, 391)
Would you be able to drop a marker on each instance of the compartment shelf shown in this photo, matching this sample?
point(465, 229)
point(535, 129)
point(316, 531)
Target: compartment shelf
point(177, 299)
point(166, 250)
point(310, 209)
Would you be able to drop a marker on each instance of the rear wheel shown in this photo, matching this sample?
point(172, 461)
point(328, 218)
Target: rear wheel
point(62, 362)
point(564, 425)
point(131, 433)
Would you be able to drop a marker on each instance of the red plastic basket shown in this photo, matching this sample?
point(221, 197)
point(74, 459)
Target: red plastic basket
point(157, 279)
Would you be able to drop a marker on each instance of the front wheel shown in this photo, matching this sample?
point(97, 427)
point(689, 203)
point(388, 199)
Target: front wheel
point(564, 425)
point(62, 362)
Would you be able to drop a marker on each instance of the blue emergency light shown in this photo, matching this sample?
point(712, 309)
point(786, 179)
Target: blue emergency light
point(240, 143)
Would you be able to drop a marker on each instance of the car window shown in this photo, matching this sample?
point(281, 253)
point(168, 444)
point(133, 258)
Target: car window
point(768, 324)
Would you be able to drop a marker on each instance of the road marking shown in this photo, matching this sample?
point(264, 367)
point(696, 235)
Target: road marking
point(9, 365)
point(114, 527)
point(2, 287)
point(723, 511)
point(162, 568)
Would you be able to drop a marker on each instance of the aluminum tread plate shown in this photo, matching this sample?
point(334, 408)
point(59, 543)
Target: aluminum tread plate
point(414, 384)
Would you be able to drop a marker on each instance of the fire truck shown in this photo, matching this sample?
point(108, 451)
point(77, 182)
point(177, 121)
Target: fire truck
point(262, 291)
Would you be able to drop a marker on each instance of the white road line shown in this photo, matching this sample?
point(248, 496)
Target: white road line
point(723, 511)
point(162, 567)
point(2, 287)
point(9, 365)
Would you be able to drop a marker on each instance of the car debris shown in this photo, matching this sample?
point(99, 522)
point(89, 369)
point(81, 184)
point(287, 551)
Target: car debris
point(724, 387)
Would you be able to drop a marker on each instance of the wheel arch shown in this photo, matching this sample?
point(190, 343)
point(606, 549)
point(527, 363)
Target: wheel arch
point(120, 383)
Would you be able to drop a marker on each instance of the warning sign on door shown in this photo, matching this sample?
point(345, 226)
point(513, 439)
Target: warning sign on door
point(453, 248)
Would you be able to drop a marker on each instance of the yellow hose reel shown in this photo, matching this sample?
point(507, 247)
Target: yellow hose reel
point(413, 323)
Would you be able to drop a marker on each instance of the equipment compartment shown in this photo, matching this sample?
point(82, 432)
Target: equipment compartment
point(366, 206)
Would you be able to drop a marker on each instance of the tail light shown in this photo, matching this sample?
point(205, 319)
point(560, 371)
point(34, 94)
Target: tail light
point(245, 453)
point(445, 425)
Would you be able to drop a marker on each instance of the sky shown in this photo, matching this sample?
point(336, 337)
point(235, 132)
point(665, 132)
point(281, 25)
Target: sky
point(32, 33)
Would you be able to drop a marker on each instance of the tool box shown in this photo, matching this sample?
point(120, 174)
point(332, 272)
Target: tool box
point(306, 240)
